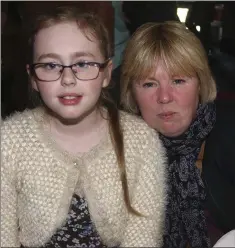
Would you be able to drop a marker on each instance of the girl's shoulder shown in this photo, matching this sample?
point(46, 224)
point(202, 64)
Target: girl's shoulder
point(128, 119)
point(131, 121)
point(19, 122)
point(142, 143)
point(136, 129)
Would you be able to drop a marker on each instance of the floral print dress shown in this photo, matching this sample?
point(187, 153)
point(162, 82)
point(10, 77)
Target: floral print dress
point(78, 230)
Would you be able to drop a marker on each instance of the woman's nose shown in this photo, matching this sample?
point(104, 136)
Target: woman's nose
point(164, 95)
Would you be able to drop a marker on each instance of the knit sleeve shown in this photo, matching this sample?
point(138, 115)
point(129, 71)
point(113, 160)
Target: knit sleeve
point(9, 222)
point(148, 196)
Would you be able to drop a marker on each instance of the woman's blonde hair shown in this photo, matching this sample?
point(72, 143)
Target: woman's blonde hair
point(176, 47)
point(94, 29)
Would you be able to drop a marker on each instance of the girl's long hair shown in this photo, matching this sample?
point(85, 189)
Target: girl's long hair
point(93, 28)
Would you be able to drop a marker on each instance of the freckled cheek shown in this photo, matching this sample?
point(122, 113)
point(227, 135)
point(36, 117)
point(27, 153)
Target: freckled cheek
point(186, 114)
point(147, 108)
point(186, 98)
point(144, 99)
point(189, 106)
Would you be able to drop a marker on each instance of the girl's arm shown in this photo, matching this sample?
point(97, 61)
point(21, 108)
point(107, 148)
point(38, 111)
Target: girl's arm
point(148, 196)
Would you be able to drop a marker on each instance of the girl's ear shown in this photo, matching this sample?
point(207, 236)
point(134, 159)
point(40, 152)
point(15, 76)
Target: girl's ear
point(31, 78)
point(108, 74)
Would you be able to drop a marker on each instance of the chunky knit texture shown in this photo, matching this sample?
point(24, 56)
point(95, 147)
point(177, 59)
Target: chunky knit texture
point(38, 181)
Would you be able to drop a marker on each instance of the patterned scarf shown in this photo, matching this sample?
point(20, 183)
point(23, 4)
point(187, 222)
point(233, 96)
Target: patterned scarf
point(185, 221)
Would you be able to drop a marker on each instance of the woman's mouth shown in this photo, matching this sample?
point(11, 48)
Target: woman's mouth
point(166, 115)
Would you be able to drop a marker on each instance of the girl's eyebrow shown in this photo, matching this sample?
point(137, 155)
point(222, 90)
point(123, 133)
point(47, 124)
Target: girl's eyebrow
point(83, 54)
point(49, 55)
point(74, 55)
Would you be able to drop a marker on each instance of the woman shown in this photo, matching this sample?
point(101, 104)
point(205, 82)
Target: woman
point(166, 79)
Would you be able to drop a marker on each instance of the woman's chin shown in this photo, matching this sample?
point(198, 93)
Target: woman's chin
point(171, 133)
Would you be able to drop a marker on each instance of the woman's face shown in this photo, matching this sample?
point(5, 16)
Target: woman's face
point(168, 104)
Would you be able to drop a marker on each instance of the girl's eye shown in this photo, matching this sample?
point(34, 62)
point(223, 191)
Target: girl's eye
point(50, 66)
point(179, 81)
point(148, 85)
point(83, 65)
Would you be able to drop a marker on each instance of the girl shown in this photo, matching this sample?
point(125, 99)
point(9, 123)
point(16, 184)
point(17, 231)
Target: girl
point(76, 171)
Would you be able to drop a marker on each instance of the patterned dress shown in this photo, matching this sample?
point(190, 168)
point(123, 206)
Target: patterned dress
point(78, 230)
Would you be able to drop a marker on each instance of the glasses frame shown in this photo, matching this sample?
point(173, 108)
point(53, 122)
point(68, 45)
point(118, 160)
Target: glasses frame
point(100, 66)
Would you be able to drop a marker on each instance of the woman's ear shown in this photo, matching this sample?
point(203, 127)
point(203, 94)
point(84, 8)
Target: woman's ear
point(31, 78)
point(108, 74)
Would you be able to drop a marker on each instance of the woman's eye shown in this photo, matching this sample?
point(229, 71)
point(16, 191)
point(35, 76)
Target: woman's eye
point(179, 81)
point(148, 85)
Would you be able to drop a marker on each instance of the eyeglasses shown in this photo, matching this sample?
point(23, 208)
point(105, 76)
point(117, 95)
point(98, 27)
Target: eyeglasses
point(49, 72)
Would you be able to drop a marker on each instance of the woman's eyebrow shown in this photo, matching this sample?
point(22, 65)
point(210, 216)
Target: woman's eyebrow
point(151, 78)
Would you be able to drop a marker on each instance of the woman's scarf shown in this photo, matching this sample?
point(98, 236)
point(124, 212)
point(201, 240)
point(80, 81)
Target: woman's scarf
point(185, 221)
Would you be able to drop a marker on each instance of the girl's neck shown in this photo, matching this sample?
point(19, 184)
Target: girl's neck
point(78, 136)
point(80, 127)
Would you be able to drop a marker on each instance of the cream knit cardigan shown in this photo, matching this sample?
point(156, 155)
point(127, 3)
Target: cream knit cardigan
point(38, 181)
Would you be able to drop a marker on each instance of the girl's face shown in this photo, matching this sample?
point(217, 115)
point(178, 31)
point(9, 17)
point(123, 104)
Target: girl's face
point(167, 104)
point(68, 97)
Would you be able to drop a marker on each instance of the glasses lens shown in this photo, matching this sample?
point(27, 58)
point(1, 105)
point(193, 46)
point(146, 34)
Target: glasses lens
point(84, 71)
point(48, 72)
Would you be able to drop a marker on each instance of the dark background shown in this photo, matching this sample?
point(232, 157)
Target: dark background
point(210, 16)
